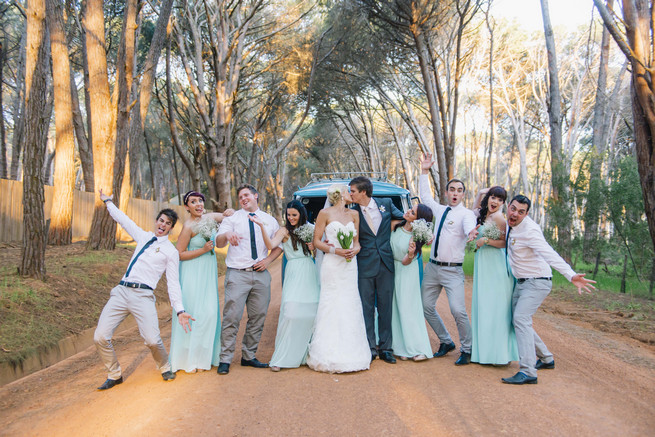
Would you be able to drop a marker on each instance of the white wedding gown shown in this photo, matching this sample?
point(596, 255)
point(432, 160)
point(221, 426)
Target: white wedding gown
point(339, 342)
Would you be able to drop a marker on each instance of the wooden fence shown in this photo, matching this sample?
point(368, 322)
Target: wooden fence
point(143, 212)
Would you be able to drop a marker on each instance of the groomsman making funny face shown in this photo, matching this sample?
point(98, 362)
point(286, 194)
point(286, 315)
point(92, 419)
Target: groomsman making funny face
point(454, 226)
point(530, 258)
point(247, 282)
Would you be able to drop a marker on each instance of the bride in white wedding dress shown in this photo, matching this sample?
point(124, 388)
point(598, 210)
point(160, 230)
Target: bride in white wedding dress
point(339, 343)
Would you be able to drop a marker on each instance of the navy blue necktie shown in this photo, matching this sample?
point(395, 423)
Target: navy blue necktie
point(253, 244)
point(436, 240)
point(507, 250)
point(143, 249)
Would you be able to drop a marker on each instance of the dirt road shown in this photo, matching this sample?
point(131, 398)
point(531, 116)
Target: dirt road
point(603, 385)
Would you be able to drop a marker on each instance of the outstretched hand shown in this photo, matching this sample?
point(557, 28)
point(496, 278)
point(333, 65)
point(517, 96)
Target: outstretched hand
point(104, 197)
point(582, 283)
point(473, 234)
point(426, 163)
point(183, 319)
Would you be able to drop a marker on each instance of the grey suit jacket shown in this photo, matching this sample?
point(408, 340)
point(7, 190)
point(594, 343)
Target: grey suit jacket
point(376, 248)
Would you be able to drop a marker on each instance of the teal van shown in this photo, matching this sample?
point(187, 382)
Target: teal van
point(313, 195)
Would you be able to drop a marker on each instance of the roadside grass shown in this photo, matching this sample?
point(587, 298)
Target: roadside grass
point(35, 314)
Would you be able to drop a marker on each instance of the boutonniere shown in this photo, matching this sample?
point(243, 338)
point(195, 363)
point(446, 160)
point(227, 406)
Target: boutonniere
point(451, 222)
point(513, 241)
point(382, 209)
point(157, 250)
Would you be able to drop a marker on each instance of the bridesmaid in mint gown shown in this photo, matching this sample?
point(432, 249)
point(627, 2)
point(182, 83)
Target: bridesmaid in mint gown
point(300, 291)
point(410, 335)
point(198, 349)
point(494, 341)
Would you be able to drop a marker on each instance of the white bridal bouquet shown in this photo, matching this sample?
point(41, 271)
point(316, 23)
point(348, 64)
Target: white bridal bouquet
point(207, 228)
point(305, 232)
point(345, 237)
point(421, 231)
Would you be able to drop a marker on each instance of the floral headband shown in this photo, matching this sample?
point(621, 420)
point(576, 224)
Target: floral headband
point(192, 194)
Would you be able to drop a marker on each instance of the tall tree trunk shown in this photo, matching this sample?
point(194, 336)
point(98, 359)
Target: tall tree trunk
point(103, 228)
point(19, 111)
point(424, 62)
point(490, 27)
point(83, 147)
point(594, 195)
point(61, 230)
point(36, 128)
point(559, 208)
point(3, 140)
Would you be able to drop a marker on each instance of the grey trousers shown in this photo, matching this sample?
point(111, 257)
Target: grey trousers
point(436, 278)
point(141, 304)
point(253, 291)
point(526, 299)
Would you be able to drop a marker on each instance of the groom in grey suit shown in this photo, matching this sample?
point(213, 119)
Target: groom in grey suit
point(375, 263)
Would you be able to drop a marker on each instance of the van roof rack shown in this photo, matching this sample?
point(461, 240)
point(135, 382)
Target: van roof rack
point(373, 175)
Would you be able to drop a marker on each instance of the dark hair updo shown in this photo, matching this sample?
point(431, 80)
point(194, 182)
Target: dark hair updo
point(496, 191)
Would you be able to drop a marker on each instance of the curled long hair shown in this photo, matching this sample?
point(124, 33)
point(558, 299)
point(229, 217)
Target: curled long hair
point(422, 212)
point(496, 191)
point(302, 219)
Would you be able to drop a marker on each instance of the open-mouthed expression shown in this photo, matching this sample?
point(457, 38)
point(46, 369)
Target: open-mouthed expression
point(494, 204)
point(410, 214)
point(293, 216)
point(248, 200)
point(195, 205)
point(163, 226)
point(516, 212)
point(455, 193)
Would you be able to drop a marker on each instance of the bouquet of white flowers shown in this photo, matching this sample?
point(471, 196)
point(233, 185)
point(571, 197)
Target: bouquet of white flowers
point(422, 231)
point(345, 238)
point(305, 233)
point(491, 231)
point(207, 228)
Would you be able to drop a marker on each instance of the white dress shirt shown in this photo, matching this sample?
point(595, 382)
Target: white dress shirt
point(530, 256)
point(374, 214)
point(160, 256)
point(240, 257)
point(459, 222)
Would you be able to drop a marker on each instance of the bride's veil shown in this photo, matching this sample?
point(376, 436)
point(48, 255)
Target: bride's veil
point(319, 253)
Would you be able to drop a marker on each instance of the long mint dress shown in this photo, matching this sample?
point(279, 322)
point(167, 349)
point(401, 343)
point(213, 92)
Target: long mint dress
point(410, 335)
point(200, 348)
point(300, 291)
point(494, 341)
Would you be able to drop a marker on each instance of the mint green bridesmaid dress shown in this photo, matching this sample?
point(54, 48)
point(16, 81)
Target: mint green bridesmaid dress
point(410, 334)
point(300, 292)
point(494, 341)
point(200, 348)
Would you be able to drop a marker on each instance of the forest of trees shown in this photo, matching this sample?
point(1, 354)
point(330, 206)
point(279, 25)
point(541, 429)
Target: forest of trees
point(151, 99)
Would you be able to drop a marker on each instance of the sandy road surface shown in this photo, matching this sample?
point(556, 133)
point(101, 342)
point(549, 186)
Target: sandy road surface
point(603, 385)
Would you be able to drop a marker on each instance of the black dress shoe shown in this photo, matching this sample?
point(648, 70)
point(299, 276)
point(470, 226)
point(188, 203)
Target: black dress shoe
point(168, 376)
point(520, 378)
point(223, 368)
point(109, 383)
point(444, 348)
point(541, 365)
point(373, 357)
point(464, 358)
point(254, 363)
point(387, 357)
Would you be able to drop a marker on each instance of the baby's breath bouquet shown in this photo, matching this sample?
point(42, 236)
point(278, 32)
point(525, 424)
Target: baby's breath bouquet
point(421, 231)
point(207, 228)
point(345, 237)
point(490, 230)
point(305, 232)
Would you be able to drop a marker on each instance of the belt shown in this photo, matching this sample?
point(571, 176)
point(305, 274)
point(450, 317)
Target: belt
point(247, 269)
point(522, 280)
point(439, 263)
point(135, 285)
